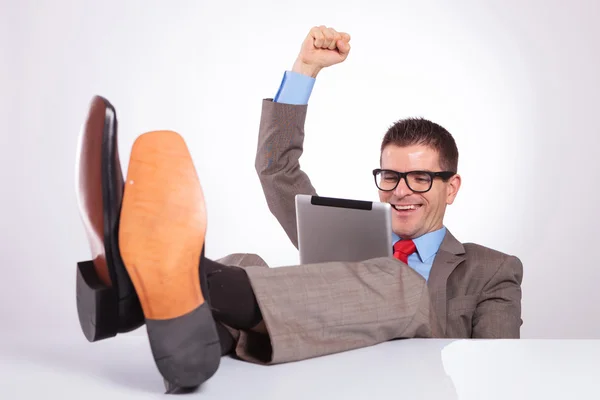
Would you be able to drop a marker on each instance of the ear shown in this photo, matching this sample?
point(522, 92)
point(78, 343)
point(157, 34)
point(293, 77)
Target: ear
point(452, 188)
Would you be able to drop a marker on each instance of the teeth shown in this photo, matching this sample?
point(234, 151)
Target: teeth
point(411, 207)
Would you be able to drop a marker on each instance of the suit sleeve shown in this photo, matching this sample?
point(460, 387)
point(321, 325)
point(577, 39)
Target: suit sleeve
point(498, 312)
point(277, 163)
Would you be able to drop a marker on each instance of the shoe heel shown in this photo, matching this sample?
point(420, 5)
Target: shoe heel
point(97, 305)
point(186, 349)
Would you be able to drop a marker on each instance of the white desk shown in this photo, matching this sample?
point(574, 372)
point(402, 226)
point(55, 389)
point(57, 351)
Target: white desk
point(122, 368)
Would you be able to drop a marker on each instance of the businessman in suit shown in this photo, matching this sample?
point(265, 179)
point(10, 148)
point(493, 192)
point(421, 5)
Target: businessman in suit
point(145, 268)
point(475, 291)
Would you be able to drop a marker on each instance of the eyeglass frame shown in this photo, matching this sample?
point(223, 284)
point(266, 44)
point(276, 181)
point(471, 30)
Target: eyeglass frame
point(444, 175)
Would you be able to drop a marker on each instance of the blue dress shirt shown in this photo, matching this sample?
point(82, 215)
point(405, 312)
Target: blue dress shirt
point(427, 247)
point(296, 89)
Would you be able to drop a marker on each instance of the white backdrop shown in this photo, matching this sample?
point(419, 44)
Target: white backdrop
point(516, 82)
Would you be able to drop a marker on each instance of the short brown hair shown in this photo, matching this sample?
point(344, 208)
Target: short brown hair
point(419, 131)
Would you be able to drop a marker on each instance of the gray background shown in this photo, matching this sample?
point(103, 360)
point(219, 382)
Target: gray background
point(516, 82)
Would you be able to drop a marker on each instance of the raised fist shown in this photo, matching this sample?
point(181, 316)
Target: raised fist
point(321, 48)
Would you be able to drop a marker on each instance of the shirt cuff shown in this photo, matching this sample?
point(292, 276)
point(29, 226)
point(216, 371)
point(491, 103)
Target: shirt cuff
point(295, 88)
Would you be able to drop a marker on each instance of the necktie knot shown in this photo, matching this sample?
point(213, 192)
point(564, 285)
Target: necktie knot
point(403, 249)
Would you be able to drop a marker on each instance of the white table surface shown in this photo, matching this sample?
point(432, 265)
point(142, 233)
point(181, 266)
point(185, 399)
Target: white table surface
point(122, 368)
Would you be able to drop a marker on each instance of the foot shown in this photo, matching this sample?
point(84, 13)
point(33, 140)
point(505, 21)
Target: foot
point(106, 300)
point(161, 239)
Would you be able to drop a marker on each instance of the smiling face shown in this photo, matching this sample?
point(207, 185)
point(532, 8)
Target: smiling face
point(415, 214)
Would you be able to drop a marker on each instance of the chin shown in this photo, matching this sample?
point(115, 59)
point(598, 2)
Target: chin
point(403, 232)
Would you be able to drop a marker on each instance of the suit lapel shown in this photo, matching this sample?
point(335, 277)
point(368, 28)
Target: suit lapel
point(450, 254)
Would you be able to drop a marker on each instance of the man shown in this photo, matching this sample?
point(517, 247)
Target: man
point(476, 291)
point(148, 268)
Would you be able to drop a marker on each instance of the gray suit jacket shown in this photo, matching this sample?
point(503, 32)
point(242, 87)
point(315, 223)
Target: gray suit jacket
point(475, 291)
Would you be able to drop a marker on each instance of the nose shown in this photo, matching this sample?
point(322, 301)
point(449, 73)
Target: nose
point(402, 189)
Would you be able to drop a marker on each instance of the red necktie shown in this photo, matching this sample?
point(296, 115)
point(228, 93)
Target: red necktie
point(403, 249)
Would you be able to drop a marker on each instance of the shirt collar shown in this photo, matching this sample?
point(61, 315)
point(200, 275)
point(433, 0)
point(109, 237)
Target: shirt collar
point(427, 244)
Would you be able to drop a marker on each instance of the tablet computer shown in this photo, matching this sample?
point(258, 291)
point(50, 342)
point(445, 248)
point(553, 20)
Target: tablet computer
point(335, 229)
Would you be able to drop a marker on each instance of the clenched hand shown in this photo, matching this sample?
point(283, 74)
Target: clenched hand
point(322, 47)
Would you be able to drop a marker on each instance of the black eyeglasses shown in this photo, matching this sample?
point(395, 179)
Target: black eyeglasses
point(417, 181)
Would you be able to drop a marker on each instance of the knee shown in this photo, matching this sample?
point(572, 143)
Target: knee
point(243, 260)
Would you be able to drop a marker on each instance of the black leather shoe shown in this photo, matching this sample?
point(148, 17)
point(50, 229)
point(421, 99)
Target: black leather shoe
point(147, 243)
point(106, 300)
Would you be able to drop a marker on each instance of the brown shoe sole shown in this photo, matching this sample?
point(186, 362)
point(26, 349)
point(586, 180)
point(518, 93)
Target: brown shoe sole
point(161, 237)
point(163, 226)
